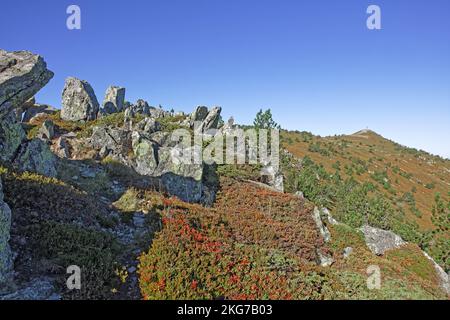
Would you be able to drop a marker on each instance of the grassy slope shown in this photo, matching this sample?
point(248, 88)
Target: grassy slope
point(258, 244)
point(407, 169)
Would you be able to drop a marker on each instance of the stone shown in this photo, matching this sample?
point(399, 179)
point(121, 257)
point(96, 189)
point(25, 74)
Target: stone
point(79, 102)
point(327, 214)
point(6, 262)
point(11, 137)
point(141, 107)
point(322, 228)
point(22, 75)
point(347, 252)
point(149, 125)
point(107, 109)
point(114, 99)
point(116, 140)
point(379, 241)
point(163, 139)
point(37, 289)
point(324, 260)
point(36, 111)
point(300, 195)
point(36, 156)
point(181, 179)
point(272, 177)
point(145, 154)
point(47, 130)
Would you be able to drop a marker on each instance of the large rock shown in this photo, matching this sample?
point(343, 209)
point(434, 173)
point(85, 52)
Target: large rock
point(181, 179)
point(22, 75)
point(115, 140)
point(175, 176)
point(157, 113)
point(11, 136)
point(145, 154)
point(36, 156)
point(114, 100)
point(379, 241)
point(79, 102)
point(211, 121)
point(41, 288)
point(5, 252)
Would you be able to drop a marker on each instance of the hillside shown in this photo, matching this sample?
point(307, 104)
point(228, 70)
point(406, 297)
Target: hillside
point(103, 189)
point(403, 183)
point(407, 177)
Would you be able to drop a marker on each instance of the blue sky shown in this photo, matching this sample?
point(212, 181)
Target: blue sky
point(314, 63)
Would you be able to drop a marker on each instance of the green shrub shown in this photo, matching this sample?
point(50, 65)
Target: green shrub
point(93, 251)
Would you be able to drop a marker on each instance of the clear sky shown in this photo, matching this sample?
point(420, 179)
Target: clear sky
point(313, 62)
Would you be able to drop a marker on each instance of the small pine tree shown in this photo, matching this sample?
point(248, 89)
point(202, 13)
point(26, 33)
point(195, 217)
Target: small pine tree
point(440, 214)
point(264, 120)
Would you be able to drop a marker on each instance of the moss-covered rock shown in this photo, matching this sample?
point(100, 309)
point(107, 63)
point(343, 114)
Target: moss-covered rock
point(11, 136)
point(36, 156)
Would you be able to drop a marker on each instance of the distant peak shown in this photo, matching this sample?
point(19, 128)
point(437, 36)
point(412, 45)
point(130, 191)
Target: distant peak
point(365, 132)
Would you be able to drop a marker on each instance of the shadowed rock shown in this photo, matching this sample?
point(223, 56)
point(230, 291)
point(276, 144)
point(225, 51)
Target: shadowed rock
point(379, 241)
point(11, 136)
point(22, 75)
point(37, 110)
point(36, 156)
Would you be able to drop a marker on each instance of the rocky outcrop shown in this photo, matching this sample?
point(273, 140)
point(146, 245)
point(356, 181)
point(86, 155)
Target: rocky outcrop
point(272, 177)
point(379, 241)
point(22, 75)
point(157, 113)
point(5, 252)
point(79, 102)
point(114, 100)
point(36, 156)
point(199, 115)
point(184, 180)
point(140, 107)
point(176, 177)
